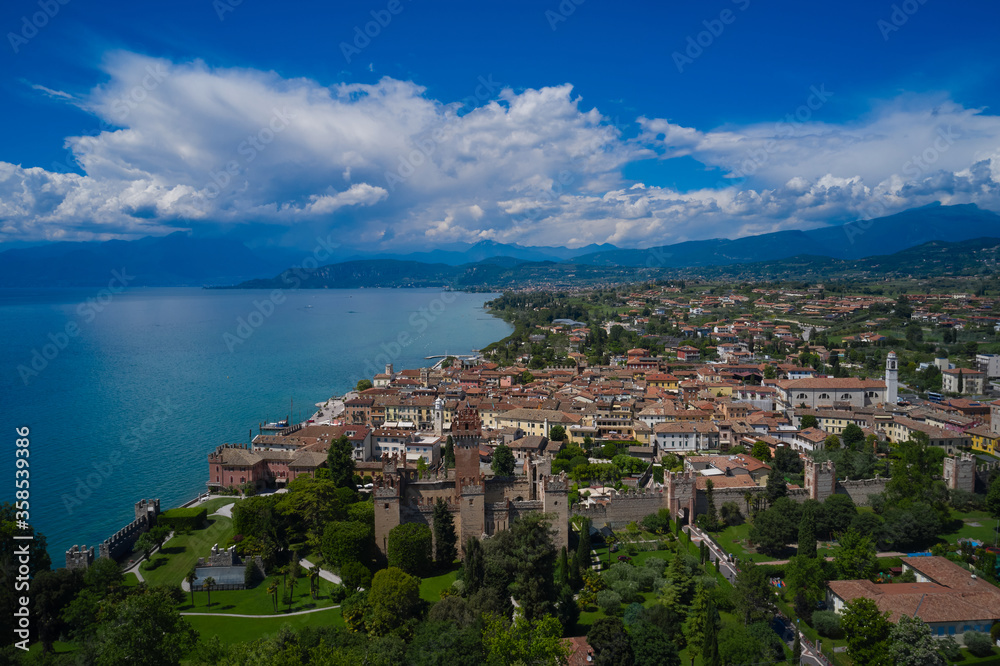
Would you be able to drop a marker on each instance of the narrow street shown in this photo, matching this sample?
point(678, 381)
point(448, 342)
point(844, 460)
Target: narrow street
point(810, 655)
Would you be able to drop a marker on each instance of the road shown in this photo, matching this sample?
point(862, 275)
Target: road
point(727, 568)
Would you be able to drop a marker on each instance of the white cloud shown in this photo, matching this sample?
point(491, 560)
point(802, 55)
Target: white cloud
point(192, 145)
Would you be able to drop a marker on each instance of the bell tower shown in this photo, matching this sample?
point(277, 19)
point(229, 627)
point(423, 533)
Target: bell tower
point(466, 431)
point(891, 379)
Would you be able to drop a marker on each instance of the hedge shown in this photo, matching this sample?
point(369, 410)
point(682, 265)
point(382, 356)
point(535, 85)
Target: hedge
point(180, 519)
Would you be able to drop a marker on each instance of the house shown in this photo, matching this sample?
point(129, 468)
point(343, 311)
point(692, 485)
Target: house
point(948, 598)
point(823, 393)
point(962, 380)
point(685, 436)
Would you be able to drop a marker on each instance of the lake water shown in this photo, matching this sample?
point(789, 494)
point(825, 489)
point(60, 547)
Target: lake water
point(126, 393)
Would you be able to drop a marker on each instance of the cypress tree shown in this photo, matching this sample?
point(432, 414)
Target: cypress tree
point(807, 531)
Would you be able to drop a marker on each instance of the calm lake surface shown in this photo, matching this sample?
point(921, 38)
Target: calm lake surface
point(127, 393)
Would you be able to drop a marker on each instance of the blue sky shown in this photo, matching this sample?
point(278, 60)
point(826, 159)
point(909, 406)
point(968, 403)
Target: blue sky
point(542, 123)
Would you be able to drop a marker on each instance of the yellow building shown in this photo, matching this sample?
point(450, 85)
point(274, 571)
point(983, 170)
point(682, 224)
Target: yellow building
point(983, 439)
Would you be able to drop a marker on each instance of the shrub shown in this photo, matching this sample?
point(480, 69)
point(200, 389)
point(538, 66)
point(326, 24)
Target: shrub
point(192, 518)
point(827, 623)
point(949, 649)
point(995, 632)
point(338, 593)
point(979, 644)
point(610, 602)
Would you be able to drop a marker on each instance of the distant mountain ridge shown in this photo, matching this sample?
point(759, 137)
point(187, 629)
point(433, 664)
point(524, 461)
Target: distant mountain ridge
point(181, 260)
point(855, 240)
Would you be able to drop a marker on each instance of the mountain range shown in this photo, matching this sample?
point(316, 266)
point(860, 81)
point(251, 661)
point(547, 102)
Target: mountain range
point(181, 260)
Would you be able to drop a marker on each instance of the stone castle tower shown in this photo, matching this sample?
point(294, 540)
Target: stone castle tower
point(891, 379)
point(466, 431)
point(960, 472)
point(820, 479)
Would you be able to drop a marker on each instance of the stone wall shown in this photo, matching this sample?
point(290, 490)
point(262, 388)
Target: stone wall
point(623, 508)
point(862, 489)
point(120, 543)
point(960, 472)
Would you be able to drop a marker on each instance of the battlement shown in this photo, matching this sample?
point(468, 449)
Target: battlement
point(960, 472)
point(216, 456)
point(556, 484)
point(470, 486)
point(79, 557)
point(146, 507)
point(120, 543)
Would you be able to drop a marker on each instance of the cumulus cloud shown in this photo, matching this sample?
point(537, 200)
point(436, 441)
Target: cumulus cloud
point(186, 145)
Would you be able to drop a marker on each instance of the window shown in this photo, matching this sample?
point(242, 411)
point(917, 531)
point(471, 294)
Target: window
point(824, 396)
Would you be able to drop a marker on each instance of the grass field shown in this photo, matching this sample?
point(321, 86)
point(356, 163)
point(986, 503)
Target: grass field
point(240, 629)
point(175, 559)
point(256, 601)
point(985, 531)
point(430, 587)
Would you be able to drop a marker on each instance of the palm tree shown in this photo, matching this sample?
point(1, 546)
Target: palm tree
point(191, 577)
point(313, 580)
point(209, 583)
point(291, 590)
point(272, 590)
point(747, 496)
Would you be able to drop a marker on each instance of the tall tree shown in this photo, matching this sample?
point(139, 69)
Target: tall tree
point(144, 628)
point(393, 602)
point(409, 548)
point(449, 451)
point(340, 462)
point(445, 539)
point(911, 644)
point(753, 596)
point(855, 558)
point(868, 633)
point(712, 515)
point(610, 643)
point(472, 565)
point(583, 548)
point(776, 487)
point(710, 643)
point(807, 531)
point(503, 461)
point(524, 642)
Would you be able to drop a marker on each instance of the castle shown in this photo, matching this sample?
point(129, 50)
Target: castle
point(482, 506)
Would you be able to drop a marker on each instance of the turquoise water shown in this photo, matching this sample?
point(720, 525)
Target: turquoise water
point(128, 392)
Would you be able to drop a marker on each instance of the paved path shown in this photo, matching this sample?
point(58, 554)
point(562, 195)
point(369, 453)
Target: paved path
point(226, 510)
point(810, 655)
point(135, 567)
point(305, 612)
point(323, 573)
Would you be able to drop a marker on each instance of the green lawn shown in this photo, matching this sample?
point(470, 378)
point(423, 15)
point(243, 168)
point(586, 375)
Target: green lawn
point(178, 555)
point(217, 503)
point(240, 629)
point(430, 587)
point(257, 601)
point(985, 531)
